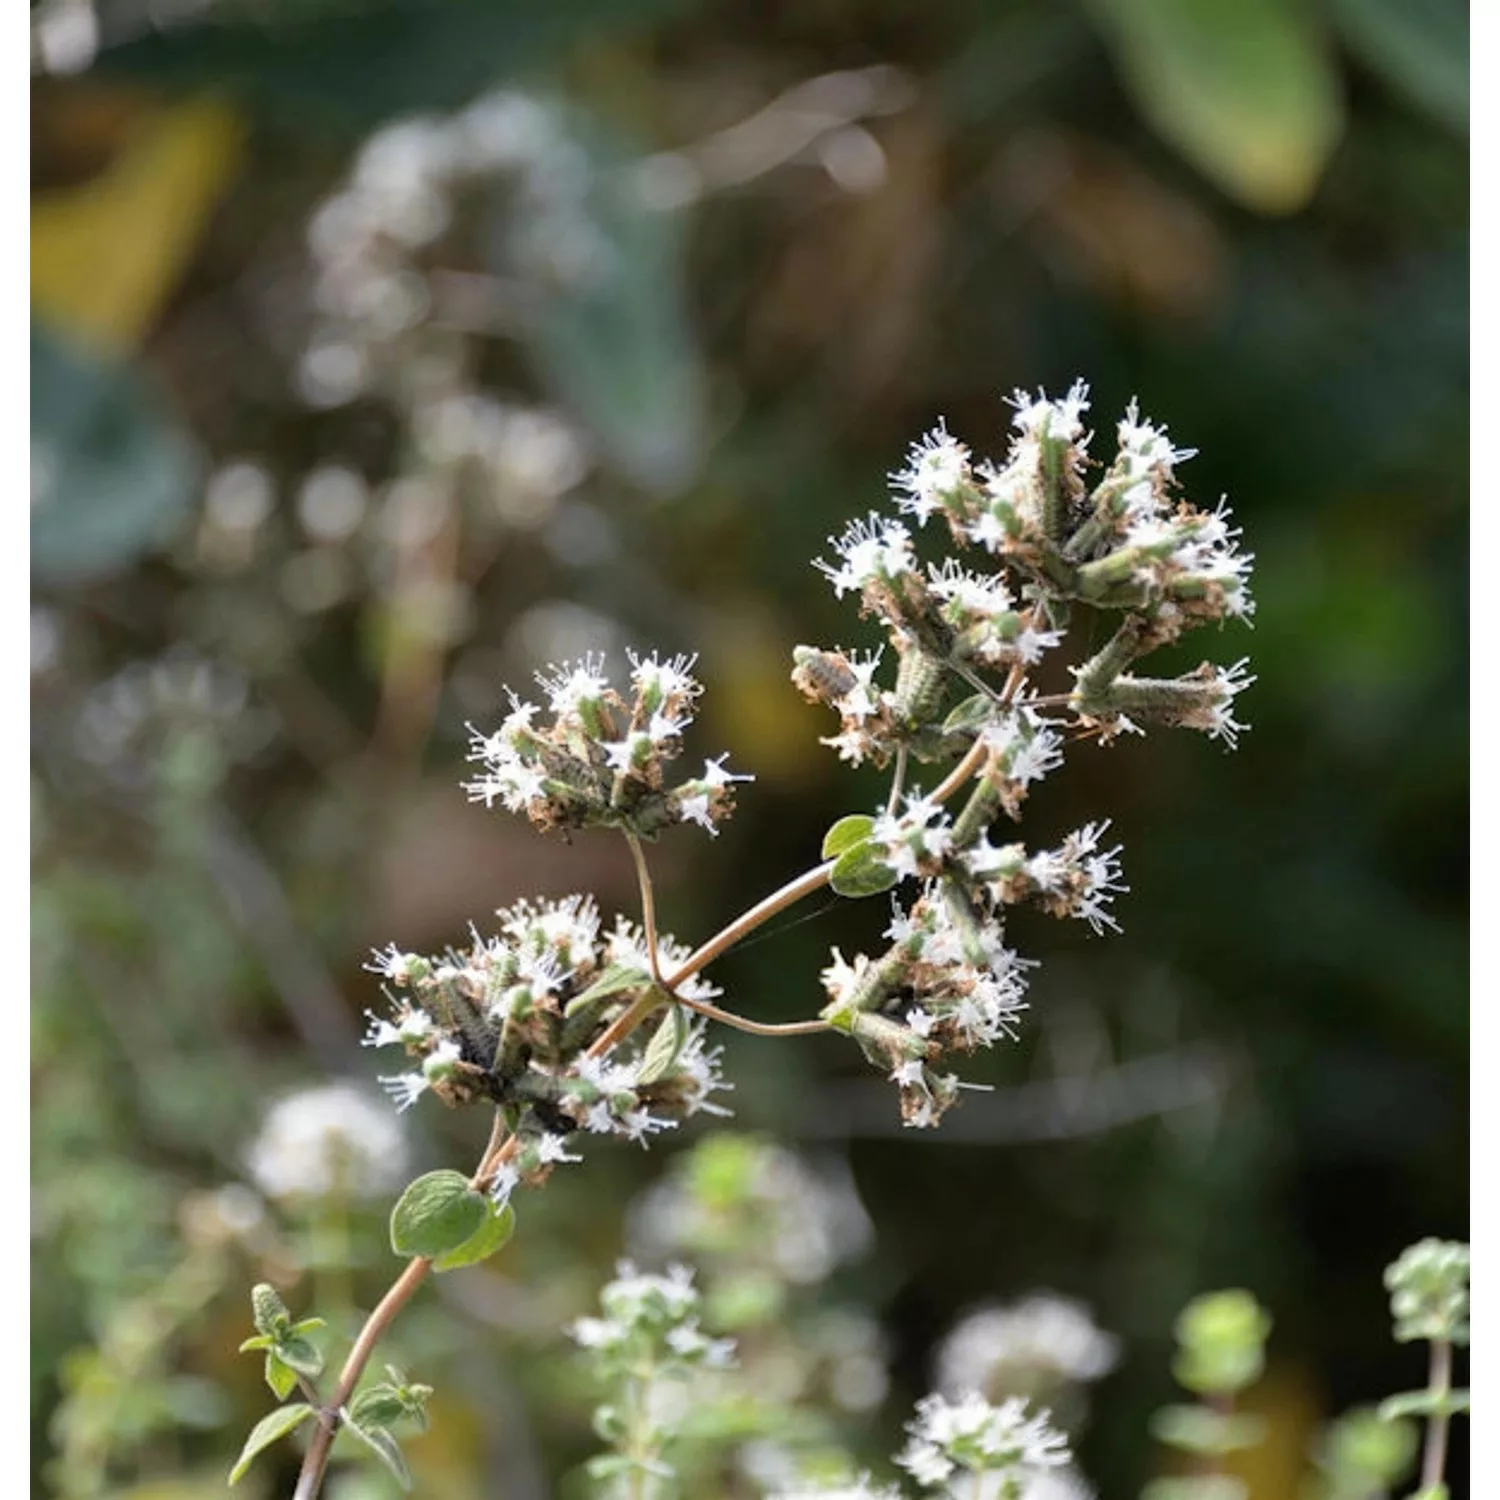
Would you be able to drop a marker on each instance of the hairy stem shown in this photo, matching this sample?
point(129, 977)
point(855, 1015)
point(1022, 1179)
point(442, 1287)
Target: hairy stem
point(648, 902)
point(898, 782)
point(398, 1294)
point(310, 1480)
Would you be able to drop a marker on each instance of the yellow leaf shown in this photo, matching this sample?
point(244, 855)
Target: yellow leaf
point(106, 255)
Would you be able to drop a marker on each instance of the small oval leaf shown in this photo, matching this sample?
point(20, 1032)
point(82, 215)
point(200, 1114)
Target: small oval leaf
point(498, 1226)
point(437, 1213)
point(846, 833)
point(859, 871)
point(271, 1428)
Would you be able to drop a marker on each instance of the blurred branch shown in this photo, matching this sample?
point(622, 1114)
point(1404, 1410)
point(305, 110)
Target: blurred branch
point(806, 115)
point(1047, 1110)
point(258, 906)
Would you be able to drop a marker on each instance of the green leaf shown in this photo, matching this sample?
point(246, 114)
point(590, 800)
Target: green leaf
point(301, 1354)
point(260, 1341)
point(280, 1376)
point(972, 713)
point(611, 335)
point(1423, 50)
point(437, 1213)
point(859, 871)
point(846, 833)
point(378, 1406)
point(613, 981)
point(665, 1046)
point(1200, 1429)
point(1424, 1404)
point(1248, 93)
point(271, 1428)
point(498, 1226)
point(380, 1441)
point(113, 477)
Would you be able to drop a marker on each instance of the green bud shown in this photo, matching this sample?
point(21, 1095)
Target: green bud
point(269, 1311)
point(1429, 1287)
point(1222, 1337)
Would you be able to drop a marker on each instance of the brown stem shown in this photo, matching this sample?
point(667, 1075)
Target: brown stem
point(1435, 1448)
point(648, 902)
point(399, 1293)
point(311, 1478)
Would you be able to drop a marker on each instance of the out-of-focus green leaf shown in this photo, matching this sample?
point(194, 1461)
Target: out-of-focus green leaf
point(112, 476)
point(1248, 93)
point(349, 66)
point(1422, 49)
point(271, 1427)
point(612, 337)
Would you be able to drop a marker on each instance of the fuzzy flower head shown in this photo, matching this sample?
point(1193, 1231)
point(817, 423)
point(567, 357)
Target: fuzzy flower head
point(1039, 1347)
point(971, 1435)
point(936, 474)
point(872, 554)
point(602, 758)
point(332, 1141)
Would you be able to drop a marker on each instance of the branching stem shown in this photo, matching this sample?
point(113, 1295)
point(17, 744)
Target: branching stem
point(398, 1294)
point(310, 1481)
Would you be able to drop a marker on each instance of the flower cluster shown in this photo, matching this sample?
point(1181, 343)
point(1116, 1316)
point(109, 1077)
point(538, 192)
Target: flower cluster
point(510, 1020)
point(974, 1437)
point(969, 1448)
point(1130, 546)
point(965, 642)
point(1429, 1287)
point(600, 759)
point(652, 1316)
point(1043, 1343)
point(642, 1350)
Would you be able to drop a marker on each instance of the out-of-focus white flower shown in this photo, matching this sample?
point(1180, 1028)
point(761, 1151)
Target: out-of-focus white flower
point(329, 1140)
point(1039, 1343)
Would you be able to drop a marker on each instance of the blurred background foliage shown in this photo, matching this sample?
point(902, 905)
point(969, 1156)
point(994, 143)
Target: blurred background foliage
point(384, 351)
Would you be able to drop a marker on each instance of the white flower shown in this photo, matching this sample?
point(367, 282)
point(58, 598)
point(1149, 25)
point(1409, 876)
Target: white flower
point(332, 1139)
point(972, 1434)
point(1044, 1335)
point(840, 977)
point(554, 1148)
point(1145, 447)
point(1055, 420)
point(391, 963)
point(506, 1180)
point(1221, 723)
point(664, 679)
point(573, 683)
point(869, 550)
point(936, 466)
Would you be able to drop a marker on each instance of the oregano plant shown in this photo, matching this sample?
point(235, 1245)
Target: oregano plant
point(563, 1026)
